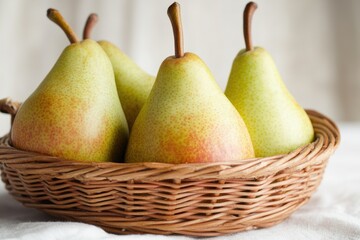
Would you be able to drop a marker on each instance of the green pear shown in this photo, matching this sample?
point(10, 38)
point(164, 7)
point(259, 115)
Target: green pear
point(133, 84)
point(75, 113)
point(187, 118)
point(276, 122)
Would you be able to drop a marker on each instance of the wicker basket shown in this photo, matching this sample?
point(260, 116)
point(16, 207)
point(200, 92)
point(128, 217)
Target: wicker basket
point(190, 199)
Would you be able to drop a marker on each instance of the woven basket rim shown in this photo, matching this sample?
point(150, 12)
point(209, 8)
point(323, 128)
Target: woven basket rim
point(327, 139)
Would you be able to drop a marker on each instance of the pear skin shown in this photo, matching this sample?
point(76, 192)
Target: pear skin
point(133, 84)
point(75, 113)
point(187, 119)
point(276, 122)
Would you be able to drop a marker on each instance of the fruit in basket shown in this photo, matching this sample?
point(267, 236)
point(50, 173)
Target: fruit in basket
point(187, 118)
point(276, 122)
point(133, 84)
point(75, 113)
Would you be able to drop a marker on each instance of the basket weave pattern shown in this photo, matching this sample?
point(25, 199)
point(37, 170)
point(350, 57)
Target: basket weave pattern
point(190, 199)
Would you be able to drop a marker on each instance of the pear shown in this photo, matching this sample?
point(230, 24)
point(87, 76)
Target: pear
point(276, 122)
point(75, 113)
point(133, 83)
point(187, 118)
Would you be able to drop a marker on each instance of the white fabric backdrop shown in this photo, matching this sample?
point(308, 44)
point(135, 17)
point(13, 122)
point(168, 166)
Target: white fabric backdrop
point(316, 44)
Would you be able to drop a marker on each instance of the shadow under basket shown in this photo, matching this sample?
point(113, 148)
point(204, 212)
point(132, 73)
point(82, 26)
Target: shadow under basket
point(207, 199)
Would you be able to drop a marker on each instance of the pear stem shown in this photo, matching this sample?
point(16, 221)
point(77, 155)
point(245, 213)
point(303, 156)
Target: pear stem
point(175, 18)
point(55, 16)
point(89, 25)
point(248, 14)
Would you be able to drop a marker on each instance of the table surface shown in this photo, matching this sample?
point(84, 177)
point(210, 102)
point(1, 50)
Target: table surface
point(333, 212)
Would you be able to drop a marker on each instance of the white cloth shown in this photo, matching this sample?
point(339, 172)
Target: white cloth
point(332, 213)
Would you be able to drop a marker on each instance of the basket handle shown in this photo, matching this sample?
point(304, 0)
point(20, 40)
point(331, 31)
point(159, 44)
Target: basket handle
point(10, 107)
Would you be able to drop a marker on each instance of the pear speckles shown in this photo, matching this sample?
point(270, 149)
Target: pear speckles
point(276, 123)
point(75, 113)
point(187, 119)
